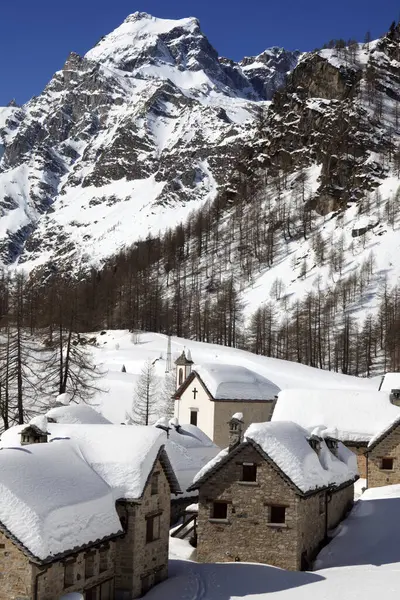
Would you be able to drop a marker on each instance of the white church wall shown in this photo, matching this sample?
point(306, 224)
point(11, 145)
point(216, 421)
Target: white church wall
point(195, 397)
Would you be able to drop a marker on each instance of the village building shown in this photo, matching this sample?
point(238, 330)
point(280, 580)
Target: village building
point(272, 497)
point(207, 395)
point(352, 416)
point(87, 514)
point(188, 449)
point(390, 383)
point(383, 456)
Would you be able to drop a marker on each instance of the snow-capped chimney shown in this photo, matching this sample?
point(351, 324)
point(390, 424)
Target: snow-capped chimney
point(235, 430)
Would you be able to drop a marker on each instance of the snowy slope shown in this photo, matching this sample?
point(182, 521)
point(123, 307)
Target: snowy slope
point(116, 349)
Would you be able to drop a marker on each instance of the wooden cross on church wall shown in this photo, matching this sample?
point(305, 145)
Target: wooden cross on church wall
point(195, 392)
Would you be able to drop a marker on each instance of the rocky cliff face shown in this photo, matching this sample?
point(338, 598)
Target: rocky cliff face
point(125, 141)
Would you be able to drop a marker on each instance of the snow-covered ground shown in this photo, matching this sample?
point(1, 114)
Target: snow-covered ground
point(116, 349)
point(361, 563)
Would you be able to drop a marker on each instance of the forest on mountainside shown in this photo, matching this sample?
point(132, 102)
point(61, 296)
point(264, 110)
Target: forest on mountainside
point(189, 281)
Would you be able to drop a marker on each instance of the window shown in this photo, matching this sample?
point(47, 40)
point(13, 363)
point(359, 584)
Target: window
point(154, 484)
point(387, 464)
point(103, 562)
point(89, 565)
point(219, 510)
point(152, 528)
point(193, 417)
point(249, 472)
point(277, 514)
point(180, 381)
point(69, 573)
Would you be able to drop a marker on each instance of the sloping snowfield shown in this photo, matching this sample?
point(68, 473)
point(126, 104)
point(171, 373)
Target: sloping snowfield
point(116, 349)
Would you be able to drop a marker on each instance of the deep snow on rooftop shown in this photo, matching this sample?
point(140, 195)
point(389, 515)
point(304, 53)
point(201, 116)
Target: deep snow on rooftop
point(351, 415)
point(234, 382)
point(52, 500)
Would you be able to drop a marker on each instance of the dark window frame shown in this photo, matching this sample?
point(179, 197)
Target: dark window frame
point(154, 483)
point(219, 510)
point(249, 472)
point(153, 528)
point(385, 462)
point(277, 514)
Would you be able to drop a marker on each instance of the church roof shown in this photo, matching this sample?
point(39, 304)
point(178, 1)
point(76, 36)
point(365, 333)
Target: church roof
point(231, 382)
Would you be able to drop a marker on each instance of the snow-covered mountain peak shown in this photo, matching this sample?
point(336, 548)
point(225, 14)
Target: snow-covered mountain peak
point(144, 38)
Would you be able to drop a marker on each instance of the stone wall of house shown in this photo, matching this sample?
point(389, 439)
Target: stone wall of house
point(141, 564)
point(246, 534)
point(51, 583)
point(339, 504)
point(359, 451)
point(312, 527)
point(253, 412)
point(15, 572)
point(389, 447)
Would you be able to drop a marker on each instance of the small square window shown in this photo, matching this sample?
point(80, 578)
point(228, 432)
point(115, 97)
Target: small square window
point(152, 528)
point(219, 510)
point(387, 464)
point(193, 417)
point(249, 472)
point(277, 514)
point(154, 484)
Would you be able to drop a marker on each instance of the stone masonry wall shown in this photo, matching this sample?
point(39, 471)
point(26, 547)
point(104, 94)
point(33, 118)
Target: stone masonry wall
point(139, 562)
point(339, 504)
point(312, 527)
point(253, 412)
point(359, 451)
point(51, 579)
point(389, 447)
point(15, 572)
point(246, 534)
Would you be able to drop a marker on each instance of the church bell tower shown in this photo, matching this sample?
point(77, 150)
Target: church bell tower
point(183, 368)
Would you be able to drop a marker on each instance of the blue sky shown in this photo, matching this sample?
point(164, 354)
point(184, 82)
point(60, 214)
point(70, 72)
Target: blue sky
point(37, 35)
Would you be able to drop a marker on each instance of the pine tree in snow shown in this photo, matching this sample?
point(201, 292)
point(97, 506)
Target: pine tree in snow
point(145, 402)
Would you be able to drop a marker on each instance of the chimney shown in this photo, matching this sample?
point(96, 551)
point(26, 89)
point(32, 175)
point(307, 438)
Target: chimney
point(235, 430)
point(395, 397)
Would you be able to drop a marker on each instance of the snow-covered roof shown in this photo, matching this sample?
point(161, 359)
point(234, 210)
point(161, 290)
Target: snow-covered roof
point(189, 449)
point(351, 415)
point(380, 435)
point(287, 445)
point(123, 455)
point(52, 501)
point(76, 414)
point(232, 382)
point(390, 381)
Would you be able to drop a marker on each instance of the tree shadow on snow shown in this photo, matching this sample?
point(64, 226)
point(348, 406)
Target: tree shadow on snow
point(223, 581)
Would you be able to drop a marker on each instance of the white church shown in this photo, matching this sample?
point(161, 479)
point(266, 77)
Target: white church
point(208, 396)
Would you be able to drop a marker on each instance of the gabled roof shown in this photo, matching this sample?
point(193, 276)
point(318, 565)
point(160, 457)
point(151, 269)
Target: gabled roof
point(389, 382)
point(383, 434)
point(285, 446)
point(76, 414)
point(231, 382)
point(33, 428)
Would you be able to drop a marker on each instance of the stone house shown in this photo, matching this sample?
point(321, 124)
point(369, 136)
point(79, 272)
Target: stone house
point(390, 383)
point(352, 416)
point(383, 457)
point(77, 519)
point(209, 394)
point(273, 497)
